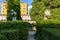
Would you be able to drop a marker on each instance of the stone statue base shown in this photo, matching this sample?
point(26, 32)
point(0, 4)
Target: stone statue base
point(14, 18)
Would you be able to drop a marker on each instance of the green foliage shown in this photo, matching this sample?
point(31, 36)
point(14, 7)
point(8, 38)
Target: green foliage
point(48, 30)
point(13, 25)
point(14, 5)
point(48, 23)
point(48, 34)
point(14, 30)
point(39, 6)
point(10, 34)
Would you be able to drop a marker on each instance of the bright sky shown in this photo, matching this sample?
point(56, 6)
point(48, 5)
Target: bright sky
point(29, 3)
point(26, 1)
point(2, 1)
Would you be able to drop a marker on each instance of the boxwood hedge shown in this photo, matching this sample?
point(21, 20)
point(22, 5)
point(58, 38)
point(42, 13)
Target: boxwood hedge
point(48, 34)
point(48, 30)
point(14, 30)
point(48, 23)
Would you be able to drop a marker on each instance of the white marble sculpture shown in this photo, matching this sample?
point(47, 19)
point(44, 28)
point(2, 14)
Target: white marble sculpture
point(46, 14)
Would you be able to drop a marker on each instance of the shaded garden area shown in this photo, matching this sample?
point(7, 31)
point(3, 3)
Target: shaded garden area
point(48, 30)
point(14, 30)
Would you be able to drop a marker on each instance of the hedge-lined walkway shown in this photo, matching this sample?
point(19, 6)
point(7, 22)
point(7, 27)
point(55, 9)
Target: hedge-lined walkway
point(31, 35)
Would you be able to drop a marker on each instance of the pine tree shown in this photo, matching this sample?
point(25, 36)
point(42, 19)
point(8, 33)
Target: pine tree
point(38, 7)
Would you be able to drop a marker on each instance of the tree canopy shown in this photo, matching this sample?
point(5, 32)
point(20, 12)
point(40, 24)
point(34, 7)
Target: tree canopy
point(13, 5)
point(38, 7)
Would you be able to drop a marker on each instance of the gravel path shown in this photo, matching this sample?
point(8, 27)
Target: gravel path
point(31, 35)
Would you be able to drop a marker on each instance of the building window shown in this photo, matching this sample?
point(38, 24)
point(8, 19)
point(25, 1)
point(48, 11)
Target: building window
point(25, 19)
point(1, 20)
point(4, 20)
point(28, 19)
point(23, 8)
point(3, 11)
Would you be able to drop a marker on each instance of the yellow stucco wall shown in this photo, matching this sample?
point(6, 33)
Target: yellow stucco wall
point(23, 8)
point(4, 8)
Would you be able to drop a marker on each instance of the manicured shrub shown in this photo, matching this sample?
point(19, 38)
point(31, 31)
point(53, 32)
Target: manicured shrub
point(48, 34)
point(10, 34)
point(48, 30)
point(48, 23)
point(13, 25)
point(2, 37)
point(14, 30)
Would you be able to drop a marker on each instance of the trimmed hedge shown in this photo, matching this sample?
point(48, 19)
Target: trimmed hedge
point(14, 30)
point(48, 23)
point(13, 25)
point(48, 30)
point(10, 34)
point(48, 34)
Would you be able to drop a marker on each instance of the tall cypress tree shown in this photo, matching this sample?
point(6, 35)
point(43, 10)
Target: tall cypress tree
point(13, 5)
